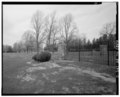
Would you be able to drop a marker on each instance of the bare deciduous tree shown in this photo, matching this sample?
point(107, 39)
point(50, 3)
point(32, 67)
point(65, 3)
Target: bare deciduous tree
point(83, 39)
point(55, 35)
point(51, 28)
point(68, 29)
point(29, 40)
point(18, 46)
point(109, 29)
point(38, 26)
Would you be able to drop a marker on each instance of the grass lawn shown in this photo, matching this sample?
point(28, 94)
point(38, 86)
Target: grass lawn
point(21, 75)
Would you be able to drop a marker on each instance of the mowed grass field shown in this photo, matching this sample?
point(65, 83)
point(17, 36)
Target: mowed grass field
point(21, 75)
point(12, 63)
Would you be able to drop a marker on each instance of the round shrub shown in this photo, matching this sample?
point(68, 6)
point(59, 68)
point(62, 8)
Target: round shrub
point(42, 57)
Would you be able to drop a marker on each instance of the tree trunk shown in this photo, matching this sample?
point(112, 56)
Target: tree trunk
point(37, 44)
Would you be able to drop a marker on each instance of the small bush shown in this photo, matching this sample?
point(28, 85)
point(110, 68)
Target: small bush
point(42, 57)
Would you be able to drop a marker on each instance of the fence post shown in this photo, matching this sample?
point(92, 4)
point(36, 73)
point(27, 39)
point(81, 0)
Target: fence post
point(79, 49)
point(108, 52)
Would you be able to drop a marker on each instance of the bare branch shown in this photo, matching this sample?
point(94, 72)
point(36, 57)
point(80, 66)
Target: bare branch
point(38, 24)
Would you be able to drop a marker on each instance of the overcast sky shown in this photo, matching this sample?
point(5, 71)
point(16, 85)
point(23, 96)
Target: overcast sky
point(89, 18)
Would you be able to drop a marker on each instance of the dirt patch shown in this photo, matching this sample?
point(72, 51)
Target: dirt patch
point(33, 69)
point(64, 61)
point(42, 66)
point(29, 77)
point(65, 89)
point(63, 79)
point(103, 76)
point(26, 77)
point(67, 68)
point(29, 62)
point(45, 76)
point(76, 89)
point(54, 73)
point(100, 75)
point(50, 65)
point(47, 64)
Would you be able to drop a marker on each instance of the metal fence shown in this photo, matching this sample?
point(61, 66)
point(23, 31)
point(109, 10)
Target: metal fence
point(93, 56)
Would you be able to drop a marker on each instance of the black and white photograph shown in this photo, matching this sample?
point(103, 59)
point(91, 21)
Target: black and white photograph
point(59, 48)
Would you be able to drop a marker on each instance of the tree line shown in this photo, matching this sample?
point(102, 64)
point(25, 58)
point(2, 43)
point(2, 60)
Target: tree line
point(88, 45)
point(49, 30)
point(107, 37)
